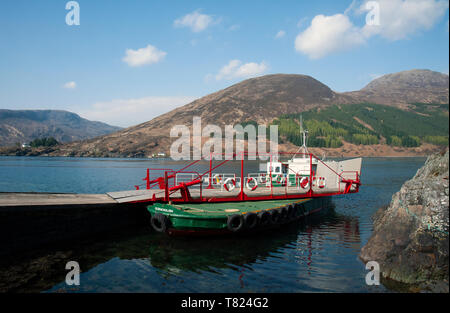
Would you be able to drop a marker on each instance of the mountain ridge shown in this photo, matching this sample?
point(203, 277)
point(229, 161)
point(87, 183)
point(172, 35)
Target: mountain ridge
point(262, 100)
point(405, 87)
point(22, 126)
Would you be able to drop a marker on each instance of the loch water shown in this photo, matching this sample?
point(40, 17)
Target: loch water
point(318, 254)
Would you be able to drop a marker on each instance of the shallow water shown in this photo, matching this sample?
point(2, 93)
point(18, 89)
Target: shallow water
point(319, 254)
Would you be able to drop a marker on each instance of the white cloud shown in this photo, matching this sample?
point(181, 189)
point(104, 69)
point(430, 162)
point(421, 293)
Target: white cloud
point(128, 112)
point(328, 34)
point(143, 56)
point(234, 27)
point(399, 19)
point(70, 85)
point(280, 34)
point(235, 69)
point(196, 21)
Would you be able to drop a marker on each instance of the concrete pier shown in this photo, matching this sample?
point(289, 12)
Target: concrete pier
point(35, 220)
point(13, 199)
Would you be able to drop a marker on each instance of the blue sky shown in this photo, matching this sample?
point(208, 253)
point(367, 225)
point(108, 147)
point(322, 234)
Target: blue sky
point(182, 50)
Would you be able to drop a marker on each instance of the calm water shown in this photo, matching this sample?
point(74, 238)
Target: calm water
point(318, 254)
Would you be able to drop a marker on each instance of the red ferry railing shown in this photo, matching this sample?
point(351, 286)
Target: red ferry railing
point(162, 182)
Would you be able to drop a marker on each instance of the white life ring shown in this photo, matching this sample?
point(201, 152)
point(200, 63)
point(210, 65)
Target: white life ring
point(322, 182)
point(279, 179)
point(248, 185)
point(304, 182)
point(226, 183)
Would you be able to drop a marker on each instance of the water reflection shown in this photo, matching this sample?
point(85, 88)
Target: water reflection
point(304, 256)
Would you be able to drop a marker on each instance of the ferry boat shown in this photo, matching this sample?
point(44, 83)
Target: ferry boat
point(288, 187)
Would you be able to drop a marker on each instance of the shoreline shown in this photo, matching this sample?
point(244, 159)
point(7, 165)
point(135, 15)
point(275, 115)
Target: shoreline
point(330, 153)
point(169, 159)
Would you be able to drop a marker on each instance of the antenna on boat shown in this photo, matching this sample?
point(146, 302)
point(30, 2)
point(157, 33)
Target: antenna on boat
point(304, 134)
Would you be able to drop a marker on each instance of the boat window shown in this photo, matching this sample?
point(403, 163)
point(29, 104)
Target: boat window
point(277, 169)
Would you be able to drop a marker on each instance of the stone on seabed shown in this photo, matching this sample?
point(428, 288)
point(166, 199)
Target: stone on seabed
point(410, 236)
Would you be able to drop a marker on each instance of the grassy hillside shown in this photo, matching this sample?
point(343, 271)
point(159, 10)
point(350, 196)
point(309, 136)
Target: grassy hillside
point(368, 124)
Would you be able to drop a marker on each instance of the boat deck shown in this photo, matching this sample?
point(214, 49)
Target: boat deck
point(235, 207)
point(209, 194)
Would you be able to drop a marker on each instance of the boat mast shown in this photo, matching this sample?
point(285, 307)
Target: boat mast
point(304, 134)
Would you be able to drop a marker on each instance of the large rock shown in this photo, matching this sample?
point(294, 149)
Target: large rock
point(410, 236)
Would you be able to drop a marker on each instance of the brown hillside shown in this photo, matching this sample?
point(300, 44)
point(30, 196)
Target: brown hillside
point(399, 89)
point(260, 99)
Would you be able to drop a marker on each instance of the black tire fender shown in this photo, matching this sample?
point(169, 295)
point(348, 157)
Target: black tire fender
point(160, 222)
point(291, 211)
point(283, 214)
point(235, 222)
point(251, 220)
point(300, 209)
point(264, 218)
point(274, 216)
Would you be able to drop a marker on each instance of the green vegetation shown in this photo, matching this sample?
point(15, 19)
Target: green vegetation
point(43, 142)
point(368, 124)
point(437, 140)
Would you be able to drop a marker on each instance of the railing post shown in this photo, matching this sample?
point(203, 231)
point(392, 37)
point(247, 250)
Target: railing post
point(242, 176)
point(166, 187)
point(210, 172)
point(310, 175)
point(147, 178)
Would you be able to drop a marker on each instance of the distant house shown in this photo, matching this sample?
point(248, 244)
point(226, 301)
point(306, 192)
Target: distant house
point(25, 145)
point(161, 155)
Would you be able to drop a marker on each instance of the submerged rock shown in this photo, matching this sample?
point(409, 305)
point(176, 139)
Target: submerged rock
point(410, 236)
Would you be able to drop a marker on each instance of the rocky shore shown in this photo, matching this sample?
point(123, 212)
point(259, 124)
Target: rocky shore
point(410, 236)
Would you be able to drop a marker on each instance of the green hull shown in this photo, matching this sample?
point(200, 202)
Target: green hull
point(214, 217)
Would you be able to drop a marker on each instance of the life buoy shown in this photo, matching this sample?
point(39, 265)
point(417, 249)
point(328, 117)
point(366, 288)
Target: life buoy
point(235, 222)
point(160, 222)
point(248, 184)
point(226, 183)
point(304, 182)
point(321, 182)
point(279, 178)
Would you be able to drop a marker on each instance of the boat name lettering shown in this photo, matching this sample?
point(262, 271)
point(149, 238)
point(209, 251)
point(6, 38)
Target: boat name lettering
point(164, 210)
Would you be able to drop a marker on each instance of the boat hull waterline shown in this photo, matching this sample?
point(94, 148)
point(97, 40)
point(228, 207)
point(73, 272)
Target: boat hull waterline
point(231, 217)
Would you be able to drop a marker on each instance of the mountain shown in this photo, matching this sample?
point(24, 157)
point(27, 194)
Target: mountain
point(22, 126)
point(342, 121)
point(402, 88)
point(258, 99)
